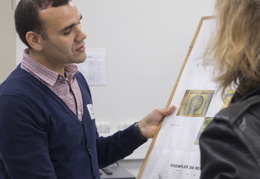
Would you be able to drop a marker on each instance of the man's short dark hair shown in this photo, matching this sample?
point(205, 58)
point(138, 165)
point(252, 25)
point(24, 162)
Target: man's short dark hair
point(27, 16)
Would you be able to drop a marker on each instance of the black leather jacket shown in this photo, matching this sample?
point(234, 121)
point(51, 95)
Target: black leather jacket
point(230, 144)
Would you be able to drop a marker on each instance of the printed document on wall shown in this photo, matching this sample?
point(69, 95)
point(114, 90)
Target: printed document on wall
point(94, 67)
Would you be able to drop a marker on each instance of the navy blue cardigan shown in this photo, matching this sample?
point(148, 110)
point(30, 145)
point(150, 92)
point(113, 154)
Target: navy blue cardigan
point(40, 137)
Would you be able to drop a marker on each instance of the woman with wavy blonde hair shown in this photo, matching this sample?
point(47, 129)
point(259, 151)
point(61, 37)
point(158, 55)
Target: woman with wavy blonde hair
point(230, 144)
point(235, 48)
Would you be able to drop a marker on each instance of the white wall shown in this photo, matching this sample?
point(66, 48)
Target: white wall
point(146, 42)
point(7, 36)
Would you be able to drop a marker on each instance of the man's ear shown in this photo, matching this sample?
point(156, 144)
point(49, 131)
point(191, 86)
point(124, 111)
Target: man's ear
point(34, 40)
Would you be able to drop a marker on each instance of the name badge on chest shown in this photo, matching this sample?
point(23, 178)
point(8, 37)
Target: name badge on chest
point(91, 111)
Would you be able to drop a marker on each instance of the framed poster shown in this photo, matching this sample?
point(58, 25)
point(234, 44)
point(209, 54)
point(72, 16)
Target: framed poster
point(174, 151)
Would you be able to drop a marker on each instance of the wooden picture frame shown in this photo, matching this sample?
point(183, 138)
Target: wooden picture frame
point(202, 97)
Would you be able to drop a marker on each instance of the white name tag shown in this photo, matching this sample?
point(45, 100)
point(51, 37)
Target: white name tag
point(91, 111)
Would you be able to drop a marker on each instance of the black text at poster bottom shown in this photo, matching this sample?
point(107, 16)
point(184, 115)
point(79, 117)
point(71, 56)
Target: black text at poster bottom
point(190, 167)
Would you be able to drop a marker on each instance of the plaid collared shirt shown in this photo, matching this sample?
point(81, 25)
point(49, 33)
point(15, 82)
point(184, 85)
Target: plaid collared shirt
point(66, 88)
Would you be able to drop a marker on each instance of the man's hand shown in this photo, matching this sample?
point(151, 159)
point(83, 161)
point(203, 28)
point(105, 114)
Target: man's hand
point(149, 124)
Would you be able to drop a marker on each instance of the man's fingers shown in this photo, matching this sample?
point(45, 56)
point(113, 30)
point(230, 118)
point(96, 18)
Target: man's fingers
point(168, 110)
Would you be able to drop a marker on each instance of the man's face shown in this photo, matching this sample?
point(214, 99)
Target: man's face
point(65, 39)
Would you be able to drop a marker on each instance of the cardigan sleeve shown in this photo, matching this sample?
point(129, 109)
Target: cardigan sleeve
point(23, 141)
point(224, 155)
point(118, 146)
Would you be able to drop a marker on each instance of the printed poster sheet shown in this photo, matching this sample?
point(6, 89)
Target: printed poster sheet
point(175, 154)
point(94, 68)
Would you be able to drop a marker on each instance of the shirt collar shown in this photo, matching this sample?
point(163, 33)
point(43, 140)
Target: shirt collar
point(46, 75)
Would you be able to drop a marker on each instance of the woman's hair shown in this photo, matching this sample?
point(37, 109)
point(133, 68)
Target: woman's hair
point(235, 47)
point(27, 16)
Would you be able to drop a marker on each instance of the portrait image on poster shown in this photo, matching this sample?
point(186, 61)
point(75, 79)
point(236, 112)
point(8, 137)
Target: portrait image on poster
point(195, 103)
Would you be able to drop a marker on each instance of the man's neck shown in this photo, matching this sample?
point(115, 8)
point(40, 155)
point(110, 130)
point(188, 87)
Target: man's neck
point(41, 59)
